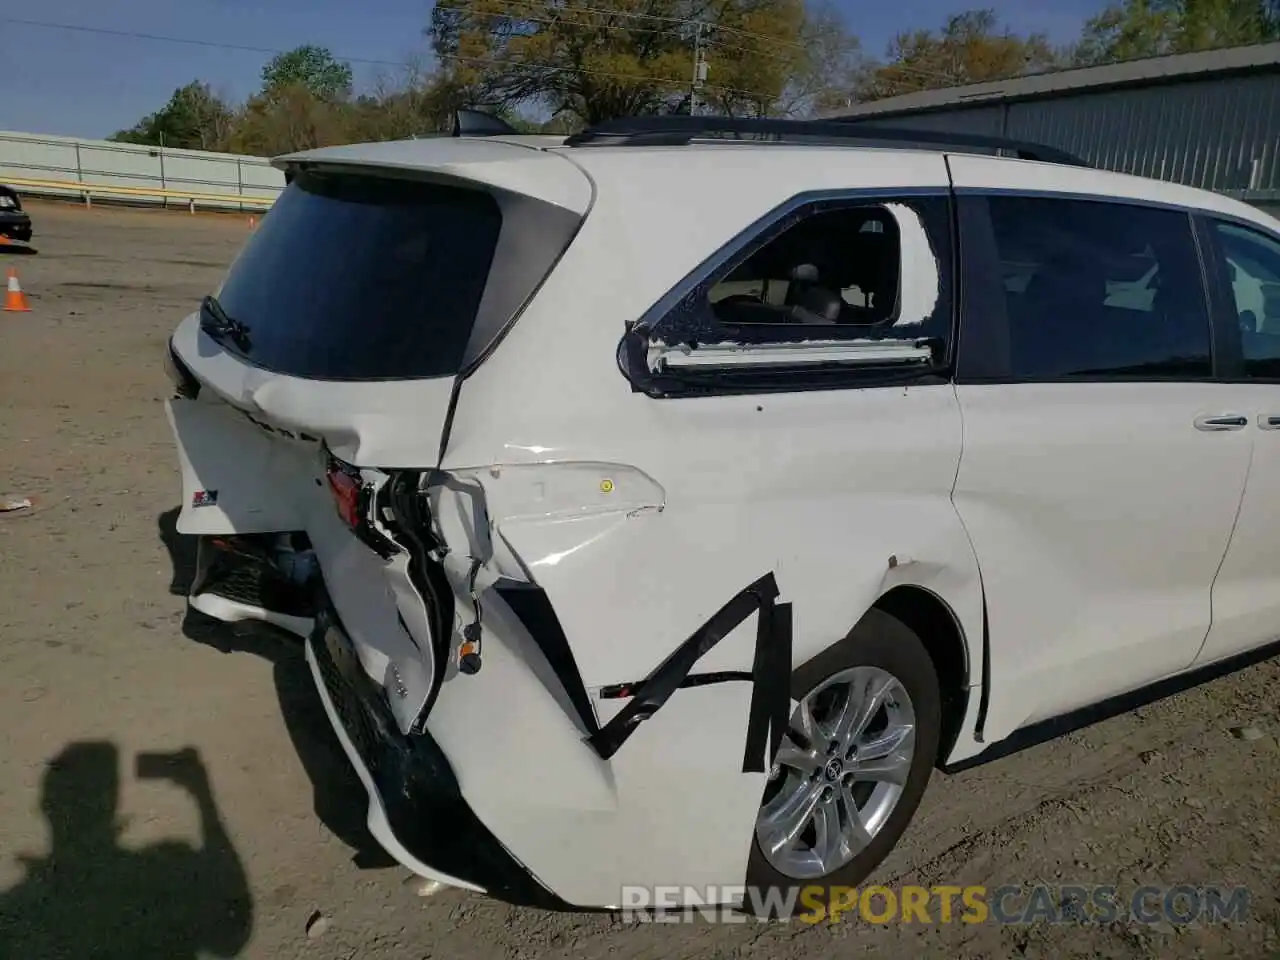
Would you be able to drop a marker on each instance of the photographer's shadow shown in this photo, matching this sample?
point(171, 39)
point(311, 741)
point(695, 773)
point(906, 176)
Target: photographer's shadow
point(338, 797)
point(92, 898)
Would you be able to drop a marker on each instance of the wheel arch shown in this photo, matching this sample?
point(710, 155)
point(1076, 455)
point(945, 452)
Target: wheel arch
point(934, 621)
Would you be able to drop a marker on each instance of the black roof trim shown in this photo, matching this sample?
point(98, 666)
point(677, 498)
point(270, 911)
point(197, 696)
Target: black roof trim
point(681, 130)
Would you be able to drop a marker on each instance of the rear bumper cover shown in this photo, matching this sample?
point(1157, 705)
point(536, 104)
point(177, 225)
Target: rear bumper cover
point(416, 810)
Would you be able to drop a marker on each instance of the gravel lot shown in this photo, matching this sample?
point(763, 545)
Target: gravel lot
point(231, 848)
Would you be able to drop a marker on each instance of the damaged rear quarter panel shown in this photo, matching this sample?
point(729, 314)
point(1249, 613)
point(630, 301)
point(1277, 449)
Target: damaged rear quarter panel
point(752, 491)
point(662, 807)
point(819, 488)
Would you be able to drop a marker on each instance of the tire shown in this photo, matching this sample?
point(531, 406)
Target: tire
point(881, 645)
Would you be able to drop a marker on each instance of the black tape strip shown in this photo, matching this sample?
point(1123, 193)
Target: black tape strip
point(758, 711)
point(620, 691)
point(658, 687)
point(775, 686)
point(770, 710)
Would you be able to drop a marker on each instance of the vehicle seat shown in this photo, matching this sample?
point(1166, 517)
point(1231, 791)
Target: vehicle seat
point(809, 301)
point(804, 277)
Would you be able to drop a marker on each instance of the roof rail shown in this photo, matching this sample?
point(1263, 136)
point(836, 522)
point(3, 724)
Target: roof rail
point(679, 130)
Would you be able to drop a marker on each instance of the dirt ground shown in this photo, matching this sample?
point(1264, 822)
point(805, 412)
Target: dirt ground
point(231, 847)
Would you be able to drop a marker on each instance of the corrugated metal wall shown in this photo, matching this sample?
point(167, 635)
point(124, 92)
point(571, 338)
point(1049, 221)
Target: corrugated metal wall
point(1221, 135)
point(985, 120)
point(244, 181)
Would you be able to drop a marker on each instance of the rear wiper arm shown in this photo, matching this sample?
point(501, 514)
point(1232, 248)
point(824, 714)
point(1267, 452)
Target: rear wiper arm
point(216, 322)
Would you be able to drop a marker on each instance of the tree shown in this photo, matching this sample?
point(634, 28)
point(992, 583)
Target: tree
point(310, 67)
point(590, 62)
point(194, 118)
point(830, 66)
point(395, 109)
point(1149, 28)
point(970, 48)
point(304, 103)
point(289, 118)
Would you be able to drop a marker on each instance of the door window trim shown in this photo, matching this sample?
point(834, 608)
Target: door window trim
point(1035, 194)
point(983, 335)
point(1222, 296)
point(630, 348)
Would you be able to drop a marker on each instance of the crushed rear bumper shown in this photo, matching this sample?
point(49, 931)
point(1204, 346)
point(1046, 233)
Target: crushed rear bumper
point(416, 810)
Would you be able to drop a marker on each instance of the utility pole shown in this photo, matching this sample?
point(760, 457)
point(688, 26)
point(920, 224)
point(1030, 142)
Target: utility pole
point(699, 69)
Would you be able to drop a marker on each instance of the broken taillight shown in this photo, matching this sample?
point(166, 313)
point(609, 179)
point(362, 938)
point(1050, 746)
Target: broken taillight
point(354, 498)
point(346, 494)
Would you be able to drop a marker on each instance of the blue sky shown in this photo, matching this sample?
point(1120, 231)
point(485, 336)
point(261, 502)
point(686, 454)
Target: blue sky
point(82, 84)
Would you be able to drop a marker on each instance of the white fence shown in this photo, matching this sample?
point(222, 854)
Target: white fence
point(39, 165)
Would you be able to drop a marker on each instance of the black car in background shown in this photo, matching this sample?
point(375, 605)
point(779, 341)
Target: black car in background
point(14, 221)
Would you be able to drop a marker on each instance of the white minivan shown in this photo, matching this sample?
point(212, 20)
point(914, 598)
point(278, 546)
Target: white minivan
point(661, 505)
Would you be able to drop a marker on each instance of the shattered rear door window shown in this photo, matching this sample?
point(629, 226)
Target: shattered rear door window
point(833, 281)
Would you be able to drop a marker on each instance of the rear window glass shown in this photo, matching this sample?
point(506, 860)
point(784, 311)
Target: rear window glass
point(363, 278)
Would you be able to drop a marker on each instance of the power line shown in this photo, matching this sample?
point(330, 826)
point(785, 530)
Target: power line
point(699, 28)
point(480, 61)
point(558, 21)
point(212, 44)
point(682, 21)
point(688, 21)
point(692, 21)
point(274, 51)
point(271, 51)
point(698, 25)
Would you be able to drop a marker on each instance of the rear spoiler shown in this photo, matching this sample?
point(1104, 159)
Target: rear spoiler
point(467, 122)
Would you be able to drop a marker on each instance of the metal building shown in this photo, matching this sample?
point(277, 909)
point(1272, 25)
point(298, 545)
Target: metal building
point(1208, 119)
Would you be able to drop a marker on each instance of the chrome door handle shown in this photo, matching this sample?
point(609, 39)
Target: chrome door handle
point(1268, 421)
point(1222, 421)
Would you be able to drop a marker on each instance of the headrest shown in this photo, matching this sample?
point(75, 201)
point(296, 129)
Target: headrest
point(805, 273)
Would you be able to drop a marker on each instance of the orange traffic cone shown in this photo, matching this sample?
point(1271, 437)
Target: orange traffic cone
point(15, 301)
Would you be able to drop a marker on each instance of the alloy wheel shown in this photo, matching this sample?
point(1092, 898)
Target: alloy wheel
point(839, 772)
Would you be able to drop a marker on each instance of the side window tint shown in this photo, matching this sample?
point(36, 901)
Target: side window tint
point(1253, 265)
point(1097, 290)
